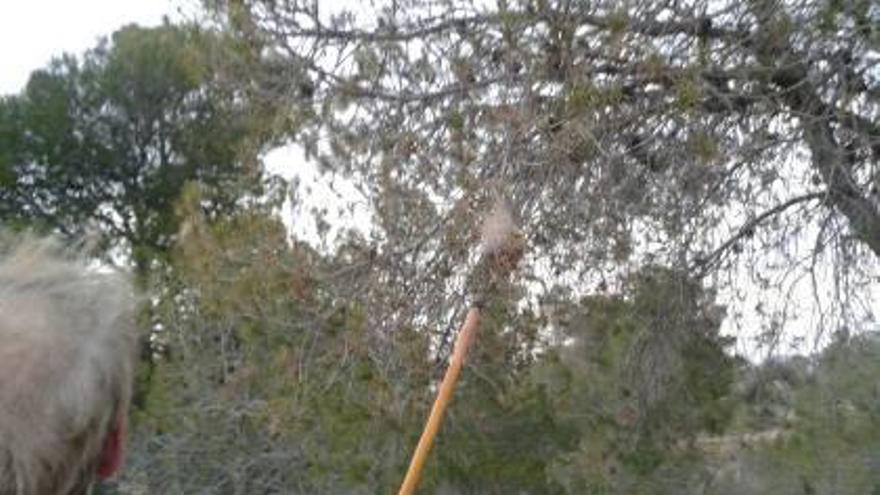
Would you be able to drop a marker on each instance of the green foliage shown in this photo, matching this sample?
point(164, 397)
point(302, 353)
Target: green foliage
point(267, 379)
point(644, 374)
point(109, 141)
point(827, 438)
point(501, 433)
point(618, 22)
point(265, 361)
point(584, 97)
point(271, 379)
point(688, 94)
point(704, 147)
point(835, 439)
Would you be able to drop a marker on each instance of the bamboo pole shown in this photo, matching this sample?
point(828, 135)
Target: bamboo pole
point(444, 395)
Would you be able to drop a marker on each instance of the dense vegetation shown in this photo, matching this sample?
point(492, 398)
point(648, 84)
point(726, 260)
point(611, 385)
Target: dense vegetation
point(686, 175)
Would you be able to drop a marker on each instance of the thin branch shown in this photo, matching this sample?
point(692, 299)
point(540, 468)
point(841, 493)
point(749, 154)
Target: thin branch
point(392, 34)
point(703, 263)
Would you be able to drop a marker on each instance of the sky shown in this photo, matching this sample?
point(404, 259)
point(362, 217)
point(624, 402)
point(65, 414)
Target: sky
point(34, 31)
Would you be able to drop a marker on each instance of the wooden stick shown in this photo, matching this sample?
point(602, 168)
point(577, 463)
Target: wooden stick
point(444, 395)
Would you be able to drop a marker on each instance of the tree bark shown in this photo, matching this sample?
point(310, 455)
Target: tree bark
point(829, 158)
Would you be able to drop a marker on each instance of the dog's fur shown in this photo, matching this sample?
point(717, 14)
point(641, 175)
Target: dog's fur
point(66, 363)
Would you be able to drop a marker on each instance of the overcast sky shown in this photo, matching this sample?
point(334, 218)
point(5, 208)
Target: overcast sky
point(34, 31)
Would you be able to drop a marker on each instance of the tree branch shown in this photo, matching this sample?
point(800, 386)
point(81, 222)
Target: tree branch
point(799, 94)
point(747, 229)
point(391, 33)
